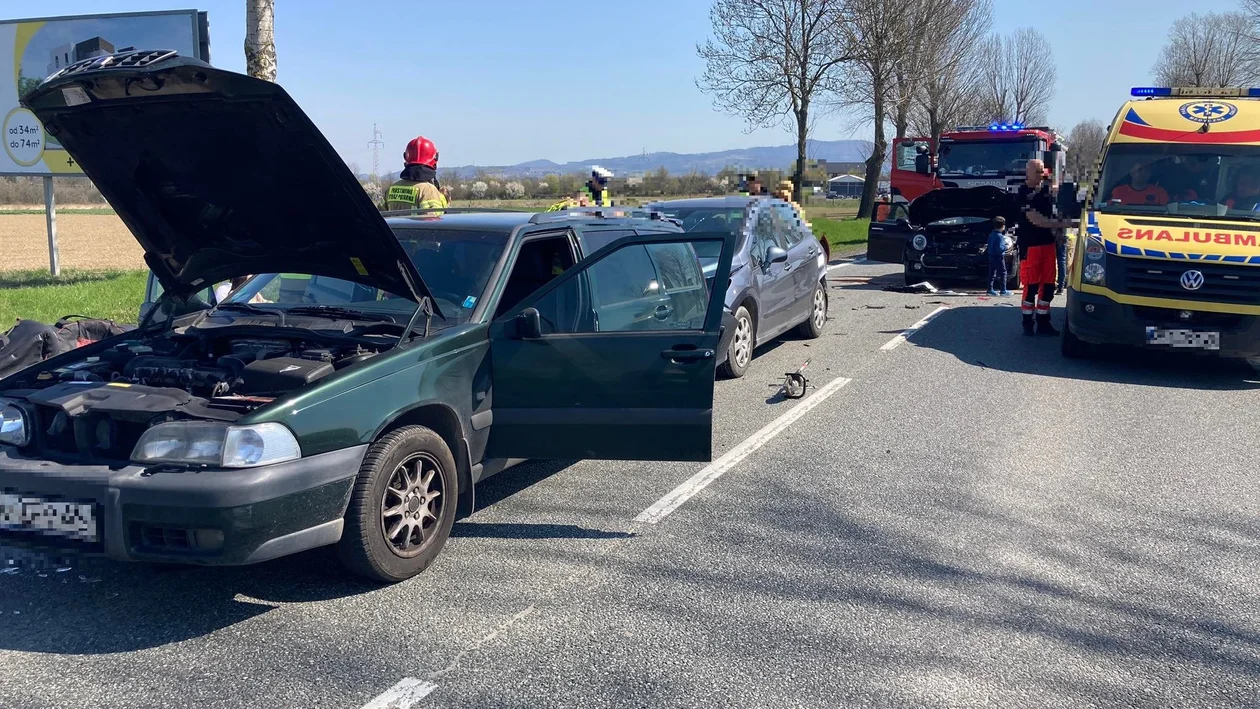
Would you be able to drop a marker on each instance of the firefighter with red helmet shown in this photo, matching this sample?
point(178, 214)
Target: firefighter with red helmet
point(417, 187)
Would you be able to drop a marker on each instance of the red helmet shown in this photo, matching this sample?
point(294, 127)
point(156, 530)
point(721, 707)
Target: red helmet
point(421, 151)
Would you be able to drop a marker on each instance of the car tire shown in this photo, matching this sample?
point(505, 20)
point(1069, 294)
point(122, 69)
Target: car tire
point(405, 467)
point(739, 352)
point(913, 278)
point(817, 319)
point(1072, 346)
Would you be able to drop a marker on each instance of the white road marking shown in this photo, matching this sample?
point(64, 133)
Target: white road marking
point(892, 344)
point(859, 262)
point(402, 695)
point(717, 468)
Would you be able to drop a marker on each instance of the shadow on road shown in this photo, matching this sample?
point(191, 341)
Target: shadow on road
point(97, 606)
point(1134, 594)
point(508, 530)
point(990, 337)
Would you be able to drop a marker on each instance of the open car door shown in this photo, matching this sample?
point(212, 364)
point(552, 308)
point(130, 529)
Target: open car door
point(615, 359)
point(886, 238)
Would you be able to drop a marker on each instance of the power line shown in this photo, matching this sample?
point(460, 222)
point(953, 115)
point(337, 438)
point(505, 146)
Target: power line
point(376, 144)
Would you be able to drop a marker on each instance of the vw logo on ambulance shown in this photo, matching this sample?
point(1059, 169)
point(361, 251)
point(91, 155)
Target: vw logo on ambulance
point(1192, 280)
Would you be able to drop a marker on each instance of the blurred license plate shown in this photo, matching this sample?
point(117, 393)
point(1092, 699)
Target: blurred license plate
point(1183, 338)
point(27, 513)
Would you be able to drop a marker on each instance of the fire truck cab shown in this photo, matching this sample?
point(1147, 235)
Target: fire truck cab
point(972, 156)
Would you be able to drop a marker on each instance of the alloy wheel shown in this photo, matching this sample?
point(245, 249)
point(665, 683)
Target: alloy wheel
point(820, 308)
point(412, 504)
point(742, 344)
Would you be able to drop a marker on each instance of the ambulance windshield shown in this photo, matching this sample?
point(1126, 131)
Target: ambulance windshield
point(977, 158)
point(1221, 181)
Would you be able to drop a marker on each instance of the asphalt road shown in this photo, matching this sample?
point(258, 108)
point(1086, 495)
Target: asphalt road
point(968, 521)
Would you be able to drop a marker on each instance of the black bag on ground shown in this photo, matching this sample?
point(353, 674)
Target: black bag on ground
point(27, 343)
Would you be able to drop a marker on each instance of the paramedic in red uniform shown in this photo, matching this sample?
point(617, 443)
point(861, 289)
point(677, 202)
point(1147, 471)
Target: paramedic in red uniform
point(1140, 190)
point(1036, 241)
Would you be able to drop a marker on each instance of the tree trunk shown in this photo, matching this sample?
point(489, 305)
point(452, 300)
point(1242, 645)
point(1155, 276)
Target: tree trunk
point(260, 43)
point(802, 132)
point(875, 163)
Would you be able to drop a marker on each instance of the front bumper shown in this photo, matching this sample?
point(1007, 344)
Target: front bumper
point(211, 517)
point(1098, 320)
point(960, 266)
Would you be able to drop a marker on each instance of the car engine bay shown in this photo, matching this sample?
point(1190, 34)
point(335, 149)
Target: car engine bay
point(99, 405)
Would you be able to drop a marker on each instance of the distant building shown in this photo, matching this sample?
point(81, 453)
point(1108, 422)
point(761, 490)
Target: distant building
point(65, 55)
point(845, 186)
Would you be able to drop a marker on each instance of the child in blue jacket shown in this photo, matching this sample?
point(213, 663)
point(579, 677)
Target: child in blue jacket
point(999, 242)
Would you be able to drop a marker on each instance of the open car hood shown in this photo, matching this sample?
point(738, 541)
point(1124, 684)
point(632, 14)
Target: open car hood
point(218, 174)
point(985, 201)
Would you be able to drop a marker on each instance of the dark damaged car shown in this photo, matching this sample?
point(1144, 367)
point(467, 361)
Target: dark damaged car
point(354, 391)
point(947, 234)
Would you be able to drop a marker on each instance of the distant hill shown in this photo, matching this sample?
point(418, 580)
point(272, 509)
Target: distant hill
point(773, 157)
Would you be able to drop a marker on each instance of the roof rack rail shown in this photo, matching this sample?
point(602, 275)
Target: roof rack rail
point(613, 212)
point(452, 210)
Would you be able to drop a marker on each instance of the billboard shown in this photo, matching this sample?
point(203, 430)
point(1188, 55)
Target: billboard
point(31, 50)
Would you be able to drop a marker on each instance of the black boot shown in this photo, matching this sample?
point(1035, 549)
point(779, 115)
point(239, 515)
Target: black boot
point(1028, 325)
point(1044, 326)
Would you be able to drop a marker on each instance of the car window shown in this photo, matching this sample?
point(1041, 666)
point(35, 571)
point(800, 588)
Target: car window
point(635, 288)
point(155, 290)
point(455, 264)
point(766, 233)
point(890, 213)
point(789, 224)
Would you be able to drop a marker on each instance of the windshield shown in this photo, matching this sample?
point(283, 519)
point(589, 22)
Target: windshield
point(1165, 178)
point(455, 265)
point(979, 158)
point(726, 219)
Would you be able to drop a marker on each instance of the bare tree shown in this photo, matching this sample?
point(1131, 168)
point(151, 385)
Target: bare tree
point(949, 92)
point(942, 34)
point(1084, 143)
point(1017, 77)
point(874, 34)
point(260, 42)
point(1214, 49)
point(773, 60)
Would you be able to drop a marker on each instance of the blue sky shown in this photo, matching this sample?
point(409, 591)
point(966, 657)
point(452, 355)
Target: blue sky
point(501, 82)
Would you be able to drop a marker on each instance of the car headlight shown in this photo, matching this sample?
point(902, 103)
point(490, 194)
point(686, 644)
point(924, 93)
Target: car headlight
point(216, 445)
point(919, 242)
point(1095, 271)
point(13, 428)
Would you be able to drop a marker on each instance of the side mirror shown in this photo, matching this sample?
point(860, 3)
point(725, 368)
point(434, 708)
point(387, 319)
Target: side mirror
point(1056, 148)
point(775, 254)
point(529, 324)
point(923, 163)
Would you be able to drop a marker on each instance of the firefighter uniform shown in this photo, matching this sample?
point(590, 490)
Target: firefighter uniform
point(409, 194)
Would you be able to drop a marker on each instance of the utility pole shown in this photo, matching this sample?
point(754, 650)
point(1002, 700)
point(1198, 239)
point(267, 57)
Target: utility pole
point(260, 41)
point(376, 144)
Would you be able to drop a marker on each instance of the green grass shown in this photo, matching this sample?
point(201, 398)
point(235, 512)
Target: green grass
point(846, 236)
point(37, 295)
point(88, 210)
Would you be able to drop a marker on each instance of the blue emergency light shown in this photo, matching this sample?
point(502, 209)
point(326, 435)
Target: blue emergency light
point(1005, 126)
point(1193, 92)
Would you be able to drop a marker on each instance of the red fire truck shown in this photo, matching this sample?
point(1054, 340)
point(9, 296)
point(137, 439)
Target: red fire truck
point(970, 156)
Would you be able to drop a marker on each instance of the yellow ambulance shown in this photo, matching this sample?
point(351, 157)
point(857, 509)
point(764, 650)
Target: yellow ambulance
point(1168, 253)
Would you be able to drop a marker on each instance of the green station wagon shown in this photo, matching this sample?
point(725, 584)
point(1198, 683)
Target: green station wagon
point(373, 370)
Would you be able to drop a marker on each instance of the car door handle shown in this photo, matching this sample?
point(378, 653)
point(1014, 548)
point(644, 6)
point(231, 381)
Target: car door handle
point(686, 353)
point(663, 312)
